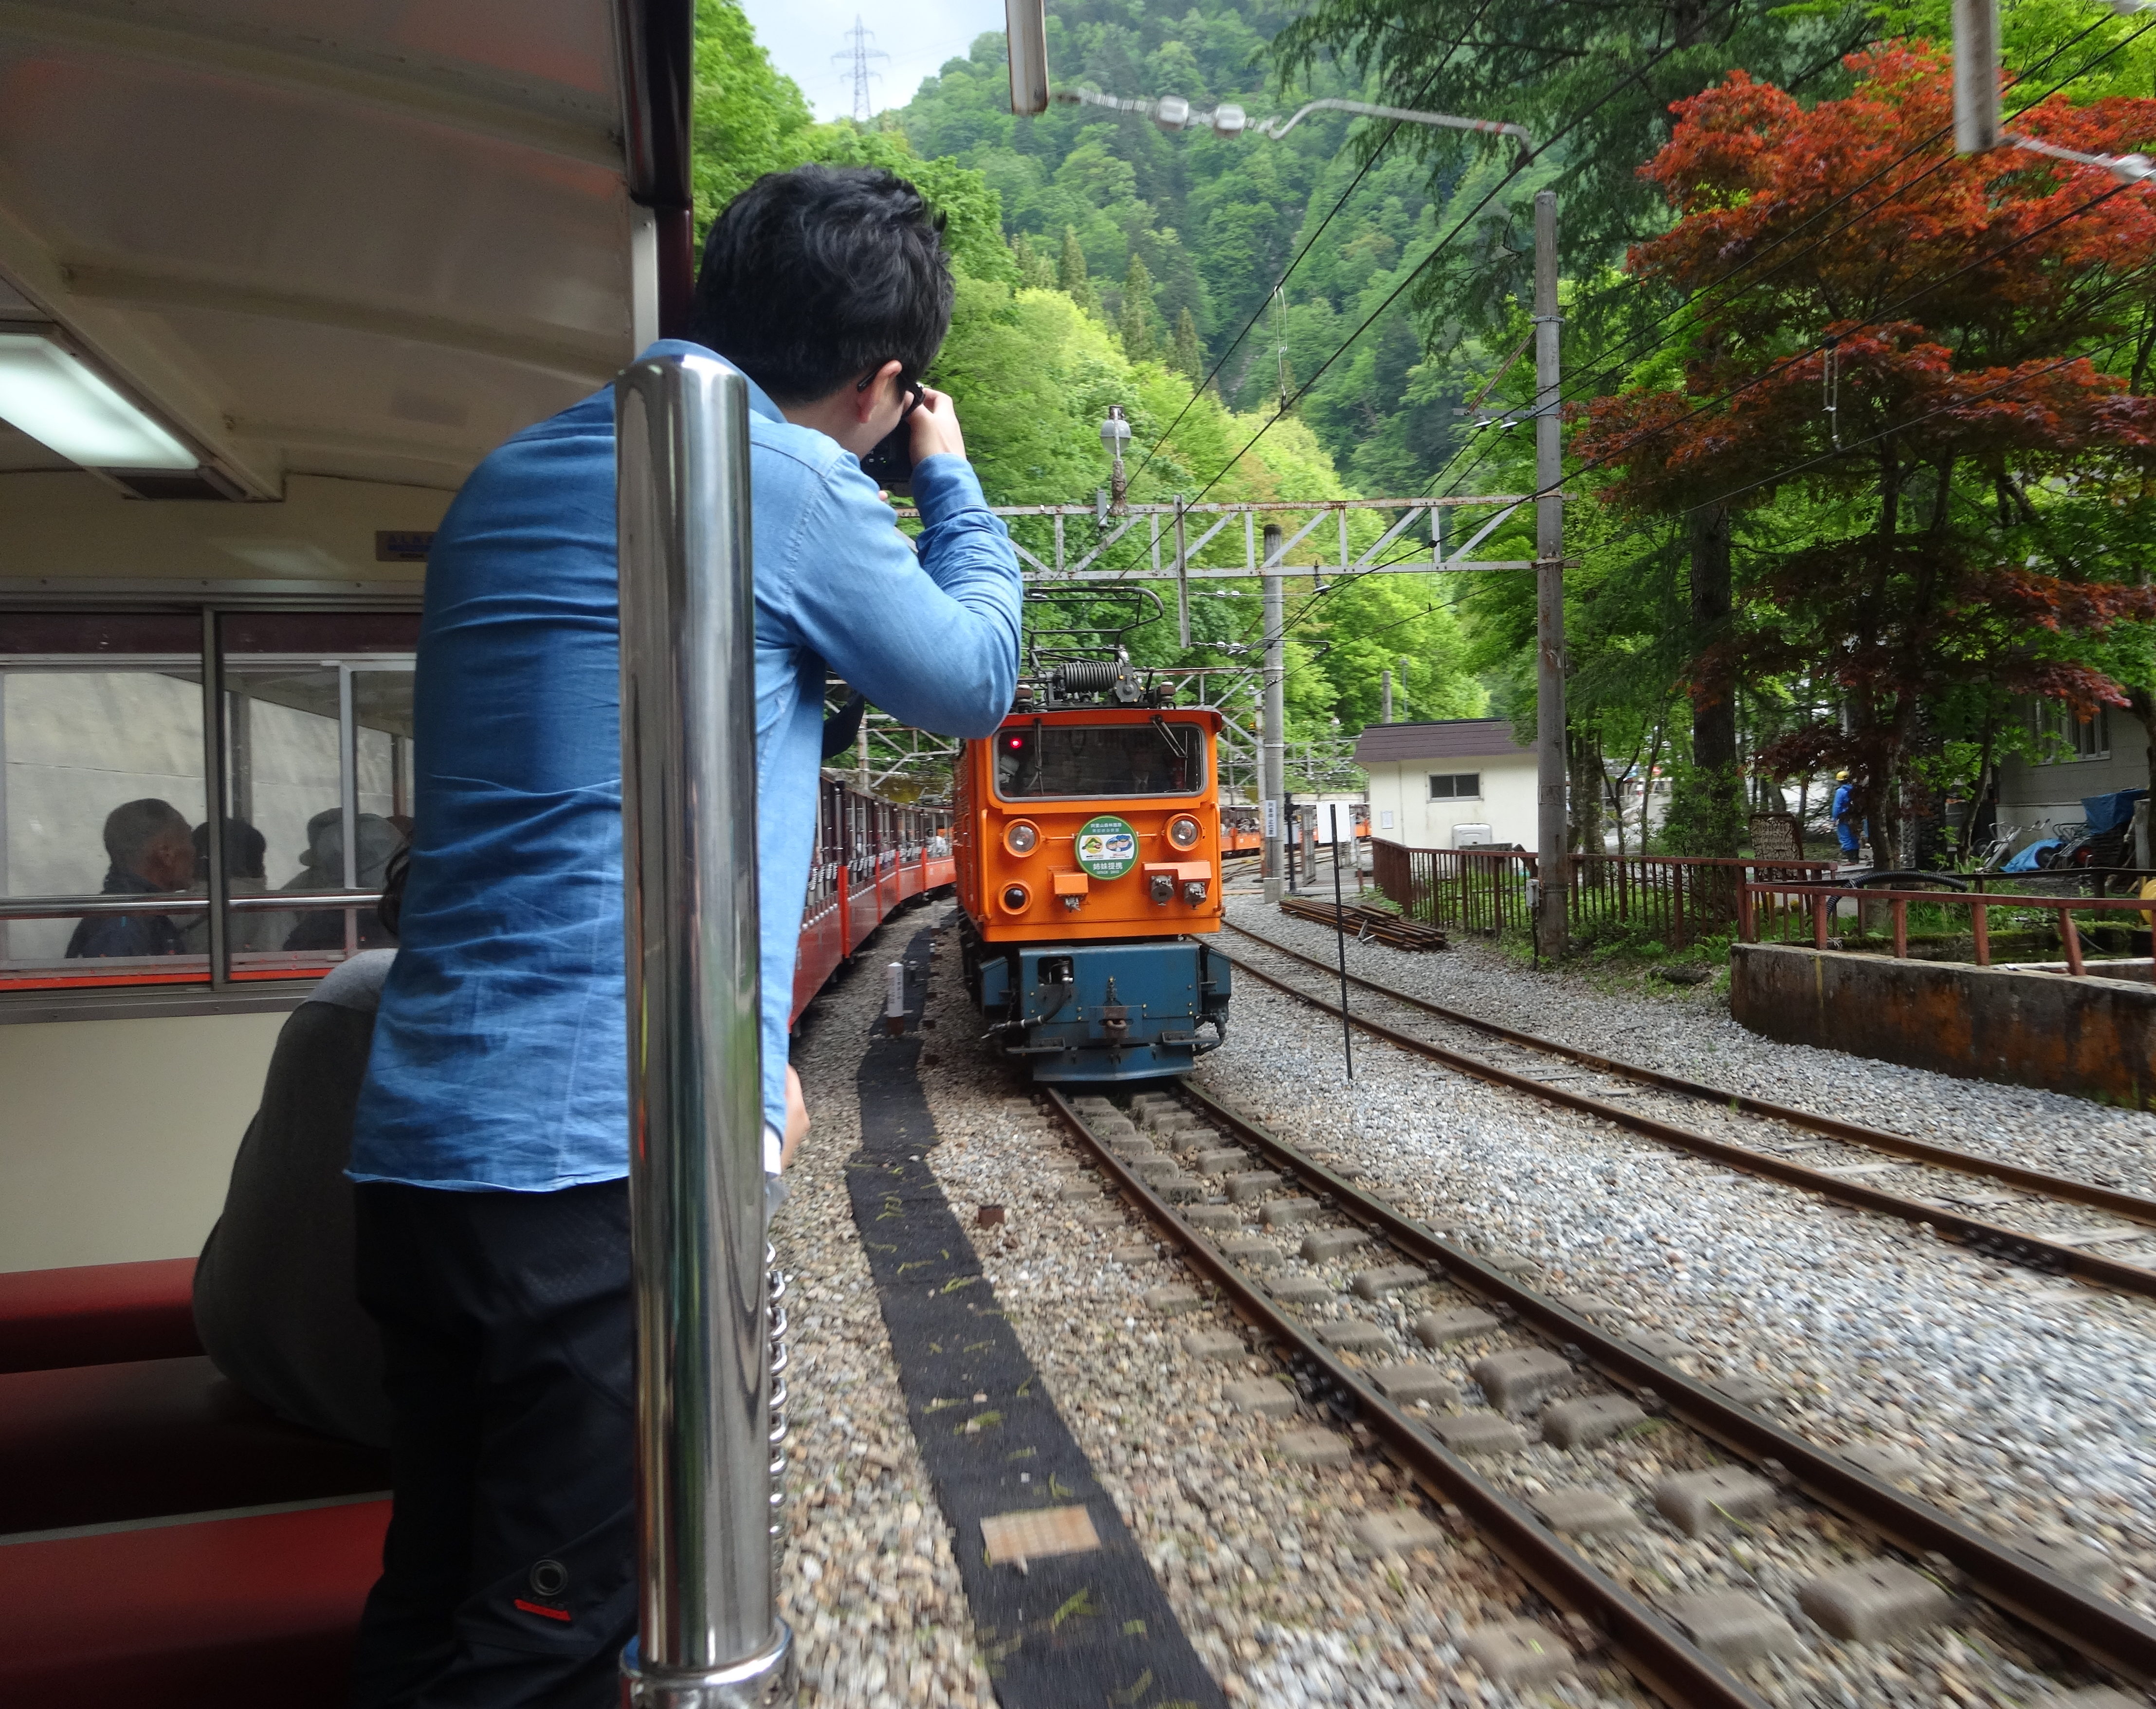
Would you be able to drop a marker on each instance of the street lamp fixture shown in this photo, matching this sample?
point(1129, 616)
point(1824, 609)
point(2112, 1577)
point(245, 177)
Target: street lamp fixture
point(1115, 434)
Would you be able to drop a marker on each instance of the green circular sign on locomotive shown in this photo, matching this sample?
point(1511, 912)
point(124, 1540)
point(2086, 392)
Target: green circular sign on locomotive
point(1106, 847)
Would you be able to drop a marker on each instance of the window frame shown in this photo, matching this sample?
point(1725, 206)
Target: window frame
point(1452, 777)
point(208, 602)
point(2057, 731)
point(1197, 726)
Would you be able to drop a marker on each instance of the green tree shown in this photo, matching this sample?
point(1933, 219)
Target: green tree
point(1186, 356)
point(1070, 274)
point(746, 119)
point(1136, 319)
point(1036, 270)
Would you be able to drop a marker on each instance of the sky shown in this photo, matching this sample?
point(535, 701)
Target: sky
point(801, 35)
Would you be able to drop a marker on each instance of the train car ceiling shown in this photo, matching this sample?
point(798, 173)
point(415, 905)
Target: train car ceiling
point(335, 251)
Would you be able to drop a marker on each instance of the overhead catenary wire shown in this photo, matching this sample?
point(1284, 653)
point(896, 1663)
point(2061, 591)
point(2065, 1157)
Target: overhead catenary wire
point(1487, 446)
point(1309, 242)
point(1632, 74)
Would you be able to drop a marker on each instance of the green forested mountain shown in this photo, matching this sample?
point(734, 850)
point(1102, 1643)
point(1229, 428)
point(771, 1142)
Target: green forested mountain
point(1213, 222)
point(1035, 365)
point(1103, 261)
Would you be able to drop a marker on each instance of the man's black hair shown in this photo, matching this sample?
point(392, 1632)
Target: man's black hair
point(813, 277)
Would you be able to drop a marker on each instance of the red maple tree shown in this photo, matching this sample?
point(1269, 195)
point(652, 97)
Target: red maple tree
point(1909, 344)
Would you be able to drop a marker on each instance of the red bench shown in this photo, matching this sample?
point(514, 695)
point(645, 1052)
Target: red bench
point(252, 1613)
point(92, 1444)
point(97, 1314)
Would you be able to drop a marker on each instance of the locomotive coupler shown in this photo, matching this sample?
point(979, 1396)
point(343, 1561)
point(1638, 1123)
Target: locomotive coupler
point(1115, 1016)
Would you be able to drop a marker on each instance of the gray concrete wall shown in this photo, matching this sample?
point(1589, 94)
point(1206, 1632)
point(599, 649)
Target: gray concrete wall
point(2095, 1037)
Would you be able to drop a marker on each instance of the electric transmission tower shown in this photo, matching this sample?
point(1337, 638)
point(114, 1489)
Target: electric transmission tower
point(856, 57)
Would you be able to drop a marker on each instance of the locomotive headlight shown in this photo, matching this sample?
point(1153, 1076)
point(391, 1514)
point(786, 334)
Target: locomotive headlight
point(1016, 897)
point(1184, 832)
point(1022, 837)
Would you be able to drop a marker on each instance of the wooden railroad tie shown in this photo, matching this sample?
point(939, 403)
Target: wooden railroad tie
point(1368, 924)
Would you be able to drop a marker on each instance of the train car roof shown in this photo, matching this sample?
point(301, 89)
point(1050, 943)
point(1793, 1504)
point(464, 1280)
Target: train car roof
point(322, 241)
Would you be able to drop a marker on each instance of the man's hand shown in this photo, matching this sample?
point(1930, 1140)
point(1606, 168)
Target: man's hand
point(797, 1120)
point(935, 426)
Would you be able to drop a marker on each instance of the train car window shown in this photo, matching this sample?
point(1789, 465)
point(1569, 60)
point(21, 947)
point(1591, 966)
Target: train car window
point(100, 790)
point(102, 757)
point(319, 759)
point(1163, 758)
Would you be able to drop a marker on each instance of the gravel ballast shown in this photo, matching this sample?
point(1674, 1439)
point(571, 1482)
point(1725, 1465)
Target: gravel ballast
point(1265, 1565)
point(2022, 1399)
point(868, 1580)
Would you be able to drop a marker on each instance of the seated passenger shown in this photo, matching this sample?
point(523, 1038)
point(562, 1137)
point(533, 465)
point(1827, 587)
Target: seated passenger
point(152, 853)
point(246, 850)
point(324, 861)
point(276, 1302)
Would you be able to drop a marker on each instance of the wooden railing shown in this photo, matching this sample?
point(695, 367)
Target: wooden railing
point(1675, 898)
point(1783, 913)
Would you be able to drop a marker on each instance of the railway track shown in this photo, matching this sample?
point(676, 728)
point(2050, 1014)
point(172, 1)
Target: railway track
point(1385, 1326)
point(1743, 1134)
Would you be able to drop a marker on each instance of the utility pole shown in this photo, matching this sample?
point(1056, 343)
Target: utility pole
point(856, 58)
point(1385, 696)
point(1554, 861)
point(1272, 767)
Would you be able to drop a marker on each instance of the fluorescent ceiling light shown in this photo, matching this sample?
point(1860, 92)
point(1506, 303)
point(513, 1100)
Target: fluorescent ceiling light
point(60, 401)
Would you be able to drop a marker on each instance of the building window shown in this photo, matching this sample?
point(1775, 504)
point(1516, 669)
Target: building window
point(2063, 736)
point(103, 758)
point(1455, 786)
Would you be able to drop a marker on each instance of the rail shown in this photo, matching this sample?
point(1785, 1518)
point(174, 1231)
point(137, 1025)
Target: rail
point(1780, 908)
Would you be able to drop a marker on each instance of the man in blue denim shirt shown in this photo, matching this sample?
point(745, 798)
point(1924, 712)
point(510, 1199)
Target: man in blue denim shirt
point(491, 1142)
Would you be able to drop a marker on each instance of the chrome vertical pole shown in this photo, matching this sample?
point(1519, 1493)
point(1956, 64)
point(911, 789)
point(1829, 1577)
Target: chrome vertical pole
point(1272, 751)
point(348, 799)
point(709, 1635)
point(1553, 860)
point(216, 884)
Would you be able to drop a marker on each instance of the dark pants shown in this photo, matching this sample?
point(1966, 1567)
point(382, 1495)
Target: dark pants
point(509, 1575)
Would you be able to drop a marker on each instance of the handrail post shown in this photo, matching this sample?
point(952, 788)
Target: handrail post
point(1980, 922)
point(1744, 933)
point(708, 1634)
point(1900, 907)
point(1818, 919)
point(2072, 940)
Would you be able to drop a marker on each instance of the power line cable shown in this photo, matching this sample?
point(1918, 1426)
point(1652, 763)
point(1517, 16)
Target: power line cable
point(1256, 314)
point(1581, 385)
point(1632, 75)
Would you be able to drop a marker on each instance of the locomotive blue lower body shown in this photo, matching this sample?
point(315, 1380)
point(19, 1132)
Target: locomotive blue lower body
point(1102, 1011)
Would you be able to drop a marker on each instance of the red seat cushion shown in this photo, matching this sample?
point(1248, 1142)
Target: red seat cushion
point(92, 1444)
point(97, 1314)
point(257, 1613)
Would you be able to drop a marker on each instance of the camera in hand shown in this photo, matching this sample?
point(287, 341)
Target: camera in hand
point(889, 465)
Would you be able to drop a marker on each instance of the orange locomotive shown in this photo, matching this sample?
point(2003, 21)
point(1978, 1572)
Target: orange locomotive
point(1087, 849)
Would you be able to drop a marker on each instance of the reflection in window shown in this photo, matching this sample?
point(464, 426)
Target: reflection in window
point(101, 760)
point(1163, 757)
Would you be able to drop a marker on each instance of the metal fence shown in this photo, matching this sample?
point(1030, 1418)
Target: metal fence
point(1676, 900)
point(1472, 890)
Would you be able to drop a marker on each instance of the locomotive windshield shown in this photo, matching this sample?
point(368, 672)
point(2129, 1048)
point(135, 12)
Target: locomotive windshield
point(1163, 757)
